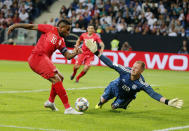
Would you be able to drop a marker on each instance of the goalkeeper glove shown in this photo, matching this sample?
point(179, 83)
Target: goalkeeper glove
point(174, 102)
point(92, 46)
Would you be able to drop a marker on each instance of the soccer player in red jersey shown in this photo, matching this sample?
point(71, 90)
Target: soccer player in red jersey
point(52, 38)
point(87, 56)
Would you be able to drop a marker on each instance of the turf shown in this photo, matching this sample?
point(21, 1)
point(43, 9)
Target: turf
point(143, 114)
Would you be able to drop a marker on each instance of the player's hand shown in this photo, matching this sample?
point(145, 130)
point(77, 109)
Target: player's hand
point(91, 45)
point(175, 103)
point(79, 51)
point(76, 46)
point(11, 28)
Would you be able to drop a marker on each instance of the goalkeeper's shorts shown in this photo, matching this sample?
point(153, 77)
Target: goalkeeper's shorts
point(121, 103)
point(112, 91)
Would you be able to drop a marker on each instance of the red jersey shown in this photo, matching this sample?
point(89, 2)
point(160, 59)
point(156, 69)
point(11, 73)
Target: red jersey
point(49, 40)
point(84, 37)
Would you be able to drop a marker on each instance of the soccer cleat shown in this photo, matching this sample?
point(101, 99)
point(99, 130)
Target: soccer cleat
point(50, 105)
point(72, 77)
point(72, 111)
point(77, 80)
point(98, 107)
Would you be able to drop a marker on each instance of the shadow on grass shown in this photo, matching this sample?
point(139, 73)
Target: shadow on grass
point(147, 114)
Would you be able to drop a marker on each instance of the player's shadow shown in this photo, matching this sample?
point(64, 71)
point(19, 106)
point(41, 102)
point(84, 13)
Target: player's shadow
point(133, 114)
point(116, 111)
point(103, 111)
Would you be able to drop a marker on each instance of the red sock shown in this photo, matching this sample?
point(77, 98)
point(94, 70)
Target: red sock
point(52, 94)
point(80, 75)
point(74, 71)
point(62, 94)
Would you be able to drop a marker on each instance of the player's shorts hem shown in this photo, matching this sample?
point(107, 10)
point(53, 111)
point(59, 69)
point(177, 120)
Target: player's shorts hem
point(42, 65)
point(48, 75)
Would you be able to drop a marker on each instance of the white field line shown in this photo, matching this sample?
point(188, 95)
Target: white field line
point(31, 128)
point(173, 128)
point(43, 90)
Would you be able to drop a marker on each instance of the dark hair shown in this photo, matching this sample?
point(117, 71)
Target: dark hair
point(91, 25)
point(66, 22)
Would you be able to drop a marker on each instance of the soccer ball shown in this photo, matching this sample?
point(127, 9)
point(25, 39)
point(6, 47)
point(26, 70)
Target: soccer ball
point(81, 104)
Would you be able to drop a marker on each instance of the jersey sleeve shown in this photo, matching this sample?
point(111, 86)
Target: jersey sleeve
point(149, 90)
point(45, 28)
point(119, 68)
point(62, 48)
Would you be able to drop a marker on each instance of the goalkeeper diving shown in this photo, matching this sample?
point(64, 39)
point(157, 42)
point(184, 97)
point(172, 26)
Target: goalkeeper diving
point(129, 83)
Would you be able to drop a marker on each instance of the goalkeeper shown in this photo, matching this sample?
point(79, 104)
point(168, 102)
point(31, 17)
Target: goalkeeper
point(129, 83)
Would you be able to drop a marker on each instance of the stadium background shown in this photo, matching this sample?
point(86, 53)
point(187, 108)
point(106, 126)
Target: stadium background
point(149, 26)
point(160, 37)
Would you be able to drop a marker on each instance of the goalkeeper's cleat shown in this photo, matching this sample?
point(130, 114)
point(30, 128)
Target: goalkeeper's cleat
point(50, 105)
point(98, 107)
point(72, 111)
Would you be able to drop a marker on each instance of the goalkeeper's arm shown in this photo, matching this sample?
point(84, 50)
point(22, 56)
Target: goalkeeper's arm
point(109, 63)
point(93, 48)
point(173, 102)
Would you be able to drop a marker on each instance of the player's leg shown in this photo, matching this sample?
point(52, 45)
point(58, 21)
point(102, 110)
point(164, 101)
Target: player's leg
point(87, 61)
point(101, 102)
point(108, 94)
point(60, 75)
point(43, 66)
point(57, 83)
point(75, 68)
point(121, 103)
point(61, 92)
point(77, 65)
point(50, 102)
point(83, 72)
point(53, 75)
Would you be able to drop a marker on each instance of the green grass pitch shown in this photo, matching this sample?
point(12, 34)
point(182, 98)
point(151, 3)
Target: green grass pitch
point(24, 111)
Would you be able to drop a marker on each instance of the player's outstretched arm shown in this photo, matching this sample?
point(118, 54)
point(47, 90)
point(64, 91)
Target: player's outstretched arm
point(119, 68)
point(102, 48)
point(20, 25)
point(177, 103)
point(93, 48)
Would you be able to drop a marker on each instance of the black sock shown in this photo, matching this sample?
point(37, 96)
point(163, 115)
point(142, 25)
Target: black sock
point(100, 103)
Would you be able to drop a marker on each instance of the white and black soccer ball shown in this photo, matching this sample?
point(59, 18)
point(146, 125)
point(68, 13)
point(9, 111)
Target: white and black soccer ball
point(81, 104)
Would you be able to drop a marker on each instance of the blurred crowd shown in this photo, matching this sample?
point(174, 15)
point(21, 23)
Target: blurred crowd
point(21, 11)
point(164, 17)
